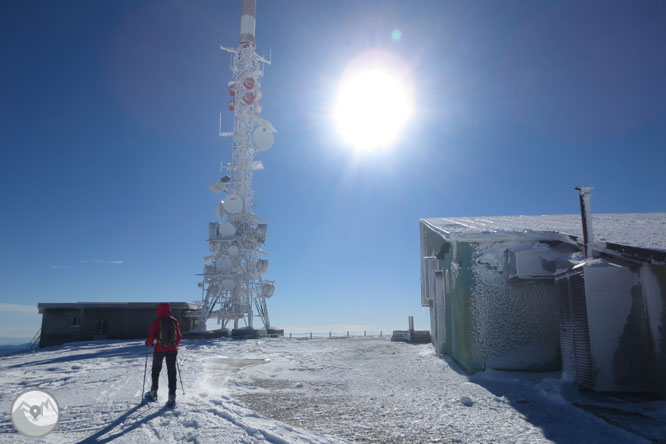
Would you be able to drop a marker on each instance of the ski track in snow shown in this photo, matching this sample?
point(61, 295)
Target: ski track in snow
point(312, 391)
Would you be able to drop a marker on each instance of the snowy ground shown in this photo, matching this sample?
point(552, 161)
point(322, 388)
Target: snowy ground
point(311, 391)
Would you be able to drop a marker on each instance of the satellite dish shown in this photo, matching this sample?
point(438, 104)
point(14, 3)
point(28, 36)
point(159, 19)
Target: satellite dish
point(267, 290)
point(233, 204)
point(233, 250)
point(263, 138)
point(220, 185)
point(212, 230)
point(248, 83)
point(263, 122)
point(222, 264)
point(226, 229)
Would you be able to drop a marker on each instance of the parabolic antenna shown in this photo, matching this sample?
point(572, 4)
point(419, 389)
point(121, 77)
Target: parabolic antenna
point(226, 229)
point(233, 250)
point(267, 290)
point(223, 264)
point(220, 185)
point(232, 204)
point(263, 138)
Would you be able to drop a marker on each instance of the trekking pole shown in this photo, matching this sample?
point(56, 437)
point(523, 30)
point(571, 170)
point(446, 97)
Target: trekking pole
point(145, 368)
point(180, 376)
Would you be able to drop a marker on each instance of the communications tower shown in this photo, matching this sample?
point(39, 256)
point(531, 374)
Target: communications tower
point(233, 290)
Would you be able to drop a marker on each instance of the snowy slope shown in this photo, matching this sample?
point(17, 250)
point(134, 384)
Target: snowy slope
point(314, 391)
point(98, 387)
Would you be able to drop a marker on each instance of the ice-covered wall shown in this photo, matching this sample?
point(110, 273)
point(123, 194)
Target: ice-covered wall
point(492, 317)
point(653, 283)
point(515, 322)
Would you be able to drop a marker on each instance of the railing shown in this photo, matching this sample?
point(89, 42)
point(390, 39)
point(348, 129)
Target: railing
point(34, 342)
point(337, 335)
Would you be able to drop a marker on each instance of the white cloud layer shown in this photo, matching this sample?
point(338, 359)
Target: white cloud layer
point(18, 308)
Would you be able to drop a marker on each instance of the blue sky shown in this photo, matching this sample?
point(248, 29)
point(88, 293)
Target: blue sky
point(108, 139)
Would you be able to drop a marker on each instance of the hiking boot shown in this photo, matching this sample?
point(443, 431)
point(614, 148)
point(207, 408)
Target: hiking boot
point(151, 395)
point(172, 401)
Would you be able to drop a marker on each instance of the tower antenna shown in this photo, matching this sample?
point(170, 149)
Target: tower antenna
point(233, 290)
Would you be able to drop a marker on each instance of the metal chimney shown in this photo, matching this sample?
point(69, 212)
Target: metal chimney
point(586, 216)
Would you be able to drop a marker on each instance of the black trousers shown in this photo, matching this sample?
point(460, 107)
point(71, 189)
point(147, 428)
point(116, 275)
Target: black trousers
point(171, 369)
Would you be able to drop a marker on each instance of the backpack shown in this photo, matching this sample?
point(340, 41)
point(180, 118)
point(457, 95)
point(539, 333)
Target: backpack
point(167, 334)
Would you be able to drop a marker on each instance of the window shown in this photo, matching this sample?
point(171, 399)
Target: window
point(76, 322)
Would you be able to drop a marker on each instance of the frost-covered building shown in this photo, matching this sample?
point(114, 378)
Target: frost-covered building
point(519, 293)
point(86, 321)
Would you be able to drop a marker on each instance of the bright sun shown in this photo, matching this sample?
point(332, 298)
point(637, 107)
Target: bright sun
point(371, 108)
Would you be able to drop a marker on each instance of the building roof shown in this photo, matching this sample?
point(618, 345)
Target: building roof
point(616, 232)
point(113, 305)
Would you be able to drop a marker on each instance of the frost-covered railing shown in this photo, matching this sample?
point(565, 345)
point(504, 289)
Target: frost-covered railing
point(336, 335)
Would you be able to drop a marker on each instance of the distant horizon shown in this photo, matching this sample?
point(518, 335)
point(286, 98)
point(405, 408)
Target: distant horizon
point(32, 320)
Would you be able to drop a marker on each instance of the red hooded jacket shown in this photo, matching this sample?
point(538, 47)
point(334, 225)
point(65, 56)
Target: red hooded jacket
point(163, 309)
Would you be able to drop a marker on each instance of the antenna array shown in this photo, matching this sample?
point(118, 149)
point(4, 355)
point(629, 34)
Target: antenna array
point(233, 289)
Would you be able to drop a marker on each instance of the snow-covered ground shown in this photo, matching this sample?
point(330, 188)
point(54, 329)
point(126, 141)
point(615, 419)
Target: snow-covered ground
point(366, 390)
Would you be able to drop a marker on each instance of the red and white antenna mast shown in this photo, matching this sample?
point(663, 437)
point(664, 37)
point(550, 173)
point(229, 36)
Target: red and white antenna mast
point(232, 287)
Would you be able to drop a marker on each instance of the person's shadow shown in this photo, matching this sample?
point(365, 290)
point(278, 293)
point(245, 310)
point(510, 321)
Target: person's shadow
point(96, 438)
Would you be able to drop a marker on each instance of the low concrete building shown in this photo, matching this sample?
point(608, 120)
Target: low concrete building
point(519, 293)
point(85, 321)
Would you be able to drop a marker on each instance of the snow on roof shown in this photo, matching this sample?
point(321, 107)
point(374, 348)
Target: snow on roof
point(640, 230)
point(113, 305)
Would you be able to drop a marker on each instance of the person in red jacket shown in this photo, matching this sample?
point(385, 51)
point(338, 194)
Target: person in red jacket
point(165, 331)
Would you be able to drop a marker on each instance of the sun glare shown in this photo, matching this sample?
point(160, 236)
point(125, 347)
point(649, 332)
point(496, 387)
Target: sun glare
point(371, 108)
